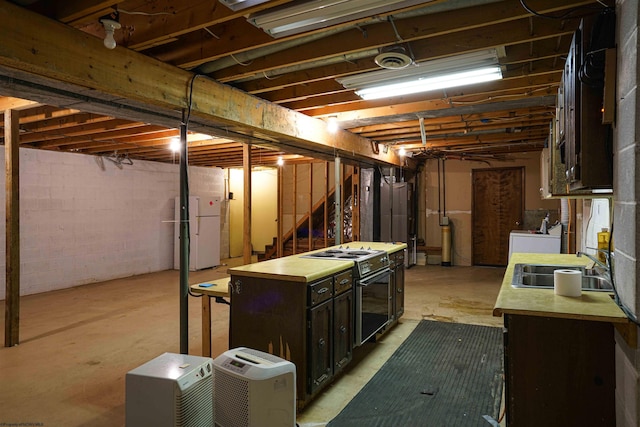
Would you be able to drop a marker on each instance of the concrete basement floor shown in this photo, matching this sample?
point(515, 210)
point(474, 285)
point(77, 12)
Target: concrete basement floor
point(76, 345)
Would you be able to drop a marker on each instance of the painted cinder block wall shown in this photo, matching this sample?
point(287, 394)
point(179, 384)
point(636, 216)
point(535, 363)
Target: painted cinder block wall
point(626, 197)
point(85, 220)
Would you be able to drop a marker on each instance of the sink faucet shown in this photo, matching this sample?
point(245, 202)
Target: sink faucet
point(597, 261)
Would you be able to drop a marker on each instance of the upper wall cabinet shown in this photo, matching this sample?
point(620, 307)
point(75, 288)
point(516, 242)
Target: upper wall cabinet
point(583, 136)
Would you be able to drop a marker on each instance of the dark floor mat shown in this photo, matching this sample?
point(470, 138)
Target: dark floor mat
point(444, 374)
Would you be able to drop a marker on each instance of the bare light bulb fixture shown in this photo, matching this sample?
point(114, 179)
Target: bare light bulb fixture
point(332, 124)
point(280, 161)
point(110, 24)
point(174, 145)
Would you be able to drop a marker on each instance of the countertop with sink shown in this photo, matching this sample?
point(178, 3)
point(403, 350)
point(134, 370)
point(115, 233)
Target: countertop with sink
point(592, 305)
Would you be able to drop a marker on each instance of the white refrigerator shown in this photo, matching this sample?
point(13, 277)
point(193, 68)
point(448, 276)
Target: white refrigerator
point(204, 233)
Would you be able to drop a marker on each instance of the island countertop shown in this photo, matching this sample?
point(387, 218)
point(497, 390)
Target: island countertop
point(592, 305)
point(297, 268)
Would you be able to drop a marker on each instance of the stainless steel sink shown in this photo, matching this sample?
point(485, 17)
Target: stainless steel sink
point(541, 276)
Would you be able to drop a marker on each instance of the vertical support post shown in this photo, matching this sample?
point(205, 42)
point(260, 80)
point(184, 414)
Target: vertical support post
point(206, 325)
point(310, 219)
point(246, 240)
point(338, 199)
point(355, 204)
point(12, 179)
point(280, 211)
point(184, 240)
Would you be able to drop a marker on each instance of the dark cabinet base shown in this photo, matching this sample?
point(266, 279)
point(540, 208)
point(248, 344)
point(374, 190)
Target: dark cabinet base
point(559, 372)
point(303, 323)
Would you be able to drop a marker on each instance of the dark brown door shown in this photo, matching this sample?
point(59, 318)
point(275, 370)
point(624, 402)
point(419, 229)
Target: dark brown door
point(497, 208)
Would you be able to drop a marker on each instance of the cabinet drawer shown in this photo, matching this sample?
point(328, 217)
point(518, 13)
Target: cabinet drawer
point(320, 291)
point(343, 281)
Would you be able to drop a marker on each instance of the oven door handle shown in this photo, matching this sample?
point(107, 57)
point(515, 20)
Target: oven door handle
point(365, 282)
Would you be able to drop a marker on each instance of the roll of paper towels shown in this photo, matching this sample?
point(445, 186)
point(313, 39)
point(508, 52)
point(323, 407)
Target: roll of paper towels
point(567, 283)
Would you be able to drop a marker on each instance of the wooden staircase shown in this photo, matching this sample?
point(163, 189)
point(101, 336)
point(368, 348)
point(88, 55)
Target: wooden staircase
point(302, 241)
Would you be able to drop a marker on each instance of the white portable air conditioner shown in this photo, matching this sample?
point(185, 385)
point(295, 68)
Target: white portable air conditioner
point(171, 390)
point(253, 389)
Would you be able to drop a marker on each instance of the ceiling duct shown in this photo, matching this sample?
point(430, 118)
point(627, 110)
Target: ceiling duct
point(393, 58)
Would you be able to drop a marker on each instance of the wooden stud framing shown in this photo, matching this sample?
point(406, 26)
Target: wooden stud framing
point(325, 220)
point(310, 219)
point(294, 205)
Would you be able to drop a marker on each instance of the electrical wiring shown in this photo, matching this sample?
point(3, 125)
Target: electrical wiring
point(244, 64)
point(211, 33)
point(562, 16)
point(493, 98)
point(617, 300)
point(126, 12)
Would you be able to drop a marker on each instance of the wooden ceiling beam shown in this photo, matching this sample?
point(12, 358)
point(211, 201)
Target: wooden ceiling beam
point(380, 34)
point(73, 12)
point(8, 103)
point(545, 48)
point(100, 125)
point(66, 140)
point(139, 86)
point(460, 129)
point(453, 39)
point(299, 97)
point(181, 18)
point(518, 114)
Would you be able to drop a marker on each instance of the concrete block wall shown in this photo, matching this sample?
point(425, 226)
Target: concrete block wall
point(85, 220)
point(626, 213)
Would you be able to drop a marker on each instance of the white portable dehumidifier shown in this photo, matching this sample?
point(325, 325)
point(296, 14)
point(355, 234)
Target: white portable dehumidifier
point(171, 390)
point(253, 389)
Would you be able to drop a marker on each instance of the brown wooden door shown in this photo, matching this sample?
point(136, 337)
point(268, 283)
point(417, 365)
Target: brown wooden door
point(497, 208)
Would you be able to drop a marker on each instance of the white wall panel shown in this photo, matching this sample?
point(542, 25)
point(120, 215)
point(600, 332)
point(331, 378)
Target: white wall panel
point(83, 223)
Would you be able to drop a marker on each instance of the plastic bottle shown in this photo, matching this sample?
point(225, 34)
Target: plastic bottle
point(603, 243)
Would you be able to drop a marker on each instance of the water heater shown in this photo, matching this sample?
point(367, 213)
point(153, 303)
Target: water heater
point(172, 390)
point(253, 389)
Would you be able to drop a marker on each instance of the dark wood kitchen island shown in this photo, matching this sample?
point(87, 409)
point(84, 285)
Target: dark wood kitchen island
point(301, 309)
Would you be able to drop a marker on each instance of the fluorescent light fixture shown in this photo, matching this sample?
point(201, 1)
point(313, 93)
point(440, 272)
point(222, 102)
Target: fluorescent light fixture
point(300, 16)
point(427, 84)
point(459, 70)
point(236, 5)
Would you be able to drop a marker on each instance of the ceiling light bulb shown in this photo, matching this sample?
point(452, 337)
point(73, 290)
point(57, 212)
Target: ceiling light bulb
point(402, 152)
point(109, 27)
point(174, 145)
point(332, 124)
point(280, 161)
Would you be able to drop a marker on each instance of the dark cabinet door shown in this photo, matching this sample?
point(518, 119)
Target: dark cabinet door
point(342, 330)
point(320, 345)
point(559, 372)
